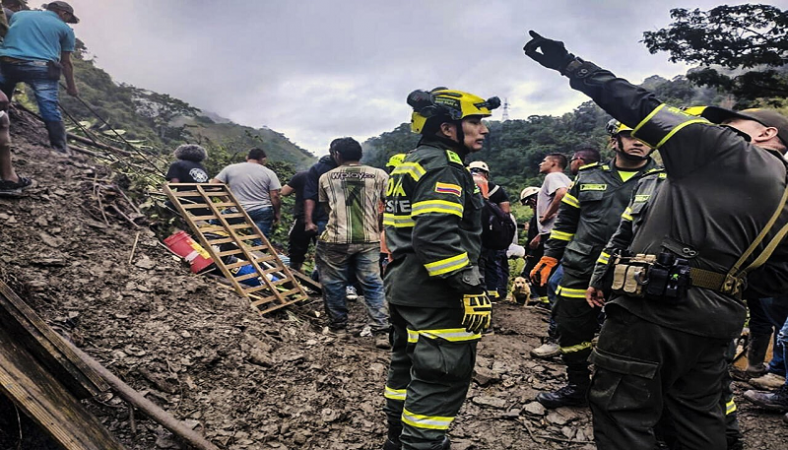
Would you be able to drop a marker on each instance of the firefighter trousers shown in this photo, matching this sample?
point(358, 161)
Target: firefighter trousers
point(642, 368)
point(432, 362)
point(576, 325)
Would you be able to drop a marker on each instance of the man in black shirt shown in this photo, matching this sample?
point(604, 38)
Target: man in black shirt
point(299, 238)
point(188, 168)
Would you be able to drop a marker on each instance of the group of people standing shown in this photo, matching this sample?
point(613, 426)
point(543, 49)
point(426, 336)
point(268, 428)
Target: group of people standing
point(655, 260)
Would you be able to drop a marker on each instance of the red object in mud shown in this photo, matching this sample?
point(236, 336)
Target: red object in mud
point(182, 245)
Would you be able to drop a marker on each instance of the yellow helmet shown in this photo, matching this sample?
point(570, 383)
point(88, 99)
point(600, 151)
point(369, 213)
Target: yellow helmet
point(446, 105)
point(395, 160)
point(614, 127)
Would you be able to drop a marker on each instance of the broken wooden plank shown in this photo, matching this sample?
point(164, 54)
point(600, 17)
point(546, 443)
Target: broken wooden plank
point(46, 346)
point(44, 399)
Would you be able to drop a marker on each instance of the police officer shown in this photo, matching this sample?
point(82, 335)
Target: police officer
point(631, 220)
point(588, 216)
point(436, 293)
point(666, 350)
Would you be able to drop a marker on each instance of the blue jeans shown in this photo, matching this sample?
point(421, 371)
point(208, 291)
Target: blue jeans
point(35, 75)
point(782, 339)
point(776, 311)
point(264, 219)
point(334, 261)
point(552, 286)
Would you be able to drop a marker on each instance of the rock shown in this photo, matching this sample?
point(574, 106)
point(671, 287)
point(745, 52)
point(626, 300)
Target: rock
point(50, 240)
point(299, 438)
point(555, 418)
point(511, 414)
point(568, 413)
point(494, 402)
point(535, 408)
point(484, 376)
point(4, 216)
point(569, 432)
point(145, 263)
point(41, 221)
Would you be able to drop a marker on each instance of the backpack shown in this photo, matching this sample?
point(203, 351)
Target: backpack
point(498, 228)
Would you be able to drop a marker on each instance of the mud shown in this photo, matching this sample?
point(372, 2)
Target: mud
point(244, 381)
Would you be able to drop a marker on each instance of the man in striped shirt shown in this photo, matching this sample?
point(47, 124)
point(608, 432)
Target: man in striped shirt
point(351, 194)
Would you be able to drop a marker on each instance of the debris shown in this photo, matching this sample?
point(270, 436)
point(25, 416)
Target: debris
point(494, 402)
point(535, 408)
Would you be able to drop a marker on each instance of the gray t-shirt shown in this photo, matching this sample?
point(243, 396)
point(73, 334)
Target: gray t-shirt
point(552, 182)
point(251, 183)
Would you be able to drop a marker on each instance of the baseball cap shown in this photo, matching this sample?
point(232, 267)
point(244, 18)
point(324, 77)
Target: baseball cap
point(63, 6)
point(766, 117)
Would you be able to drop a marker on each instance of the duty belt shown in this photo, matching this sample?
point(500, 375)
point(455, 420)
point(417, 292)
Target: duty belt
point(724, 283)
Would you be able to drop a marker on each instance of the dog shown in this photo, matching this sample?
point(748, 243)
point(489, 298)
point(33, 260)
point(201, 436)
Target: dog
point(521, 291)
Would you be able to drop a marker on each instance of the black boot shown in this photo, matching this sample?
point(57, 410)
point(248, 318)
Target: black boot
point(57, 137)
point(756, 353)
point(569, 395)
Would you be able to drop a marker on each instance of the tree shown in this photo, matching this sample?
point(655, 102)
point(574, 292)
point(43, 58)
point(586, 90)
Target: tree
point(749, 43)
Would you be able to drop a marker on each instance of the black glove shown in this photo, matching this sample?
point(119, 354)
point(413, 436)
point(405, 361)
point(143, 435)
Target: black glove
point(553, 56)
point(468, 281)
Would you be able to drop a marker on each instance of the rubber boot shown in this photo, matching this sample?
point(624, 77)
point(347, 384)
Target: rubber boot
point(57, 137)
point(756, 353)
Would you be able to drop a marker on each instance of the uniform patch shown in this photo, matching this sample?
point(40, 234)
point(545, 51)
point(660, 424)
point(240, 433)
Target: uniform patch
point(593, 187)
point(454, 157)
point(642, 197)
point(448, 188)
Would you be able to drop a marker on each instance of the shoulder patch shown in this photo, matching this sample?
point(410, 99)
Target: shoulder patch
point(454, 157)
point(593, 187)
point(448, 188)
point(663, 175)
point(588, 166)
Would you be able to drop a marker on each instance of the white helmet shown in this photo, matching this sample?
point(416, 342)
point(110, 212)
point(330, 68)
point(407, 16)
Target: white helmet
point(481, 165)
point(528, 192)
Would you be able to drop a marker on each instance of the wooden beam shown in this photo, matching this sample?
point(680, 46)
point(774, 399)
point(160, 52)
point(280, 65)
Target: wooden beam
point(42, 398)
point(46, 346)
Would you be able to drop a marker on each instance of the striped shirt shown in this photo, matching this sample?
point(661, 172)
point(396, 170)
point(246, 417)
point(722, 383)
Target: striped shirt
point(352, 194)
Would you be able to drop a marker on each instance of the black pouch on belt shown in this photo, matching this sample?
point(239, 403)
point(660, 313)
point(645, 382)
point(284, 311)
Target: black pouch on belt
point(54, 69)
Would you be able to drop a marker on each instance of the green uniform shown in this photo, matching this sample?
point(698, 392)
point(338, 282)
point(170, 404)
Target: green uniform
point(588, 216)
point(720, 193)
point(433, 229)
point(631, 220)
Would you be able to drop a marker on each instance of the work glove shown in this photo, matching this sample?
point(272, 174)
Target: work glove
point(541, 273)
point(468, 281)
point(478, 312)
point(553, 53)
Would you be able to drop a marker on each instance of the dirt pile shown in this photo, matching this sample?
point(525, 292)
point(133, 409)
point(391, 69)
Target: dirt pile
point(245, 381)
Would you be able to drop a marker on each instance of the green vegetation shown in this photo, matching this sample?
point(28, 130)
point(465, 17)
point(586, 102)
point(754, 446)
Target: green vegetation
point(742, 49)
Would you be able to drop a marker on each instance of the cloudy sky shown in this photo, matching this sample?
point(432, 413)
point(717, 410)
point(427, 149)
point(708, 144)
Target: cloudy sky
point(318, 69)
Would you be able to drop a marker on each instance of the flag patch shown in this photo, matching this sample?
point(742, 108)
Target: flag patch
point(448, 188)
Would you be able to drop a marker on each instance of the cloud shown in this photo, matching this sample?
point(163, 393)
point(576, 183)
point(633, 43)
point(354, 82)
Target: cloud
point(315, 70)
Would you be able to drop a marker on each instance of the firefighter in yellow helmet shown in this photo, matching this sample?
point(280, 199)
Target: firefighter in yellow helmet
point(435, 291)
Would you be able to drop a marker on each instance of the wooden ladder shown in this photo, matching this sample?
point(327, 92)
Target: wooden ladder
point(230, 224)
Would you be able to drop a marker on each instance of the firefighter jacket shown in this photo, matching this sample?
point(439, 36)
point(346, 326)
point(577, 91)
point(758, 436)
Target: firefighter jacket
point(433, 225)
point(588, 216)
point(721, 192)
point(631, 220)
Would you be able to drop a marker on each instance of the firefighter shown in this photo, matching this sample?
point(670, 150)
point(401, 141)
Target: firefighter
point(435, 290)
point(588, 216)
point(663, 343)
